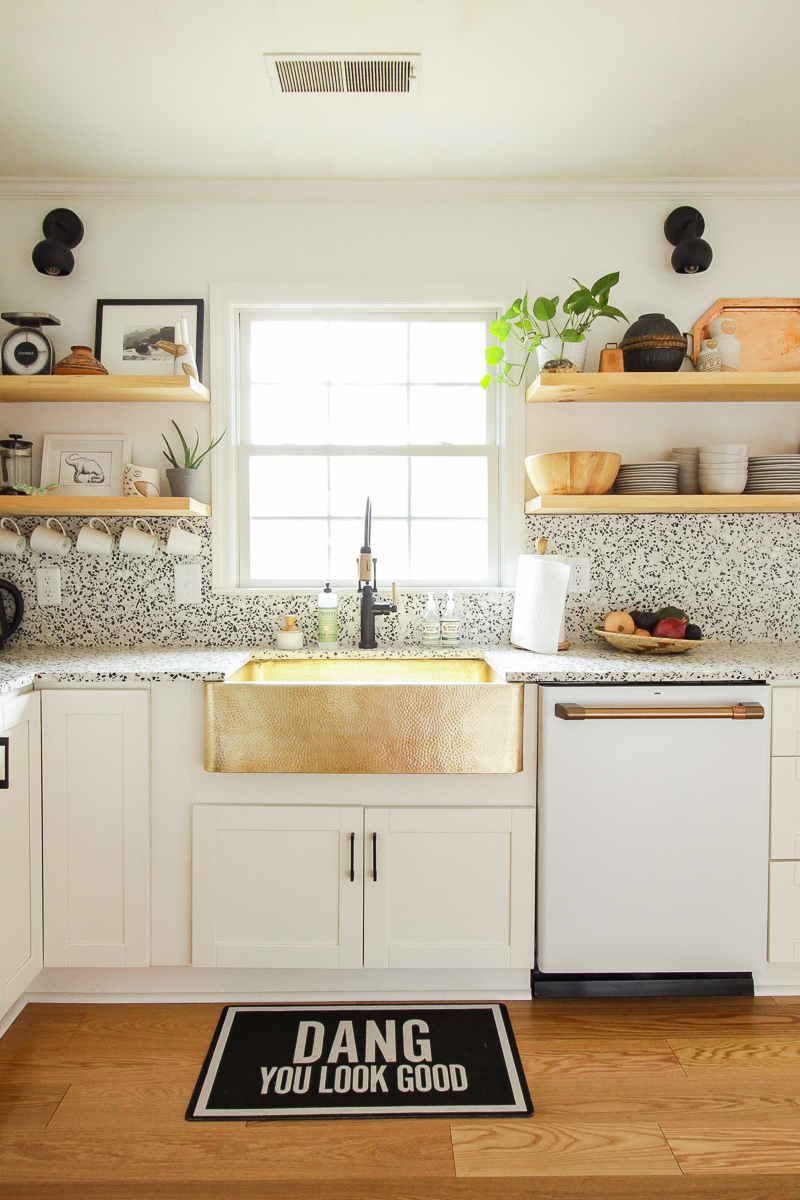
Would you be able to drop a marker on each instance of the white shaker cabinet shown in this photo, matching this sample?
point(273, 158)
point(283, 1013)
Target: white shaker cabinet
point(454, 887)
point(96, 827)
point(20, 848)
point(276, 886)
point(295, 886)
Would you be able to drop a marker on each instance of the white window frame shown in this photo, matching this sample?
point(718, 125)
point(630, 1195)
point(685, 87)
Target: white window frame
point(230, 300)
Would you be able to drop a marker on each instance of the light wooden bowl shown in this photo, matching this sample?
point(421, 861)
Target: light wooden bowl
point(647, 645)
point(573, 473)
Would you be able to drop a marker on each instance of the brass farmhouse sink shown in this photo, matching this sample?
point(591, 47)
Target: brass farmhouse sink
point(360, 716)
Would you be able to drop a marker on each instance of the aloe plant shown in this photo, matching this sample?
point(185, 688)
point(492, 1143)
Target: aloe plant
point(527, 329)
point(192, 457)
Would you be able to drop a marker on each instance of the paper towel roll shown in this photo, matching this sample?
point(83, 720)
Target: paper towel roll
point(539, 601)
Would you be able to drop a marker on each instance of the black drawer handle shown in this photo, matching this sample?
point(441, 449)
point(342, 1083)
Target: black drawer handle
point(352, 858)
point(375, 857)
point(4, 782)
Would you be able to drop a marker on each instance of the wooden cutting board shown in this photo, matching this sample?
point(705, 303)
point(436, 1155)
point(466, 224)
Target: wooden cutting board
point(768, 329)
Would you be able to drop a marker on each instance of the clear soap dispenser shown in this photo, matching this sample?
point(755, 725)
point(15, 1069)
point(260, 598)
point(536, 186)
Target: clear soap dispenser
point(431, 631)
point(328, 618)
point(451, 625)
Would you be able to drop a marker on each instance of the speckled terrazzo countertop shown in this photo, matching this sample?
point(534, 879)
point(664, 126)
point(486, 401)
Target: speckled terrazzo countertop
point(589, 661)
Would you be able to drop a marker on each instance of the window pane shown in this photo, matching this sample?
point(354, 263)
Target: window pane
point(289, 550)
point(289, 413)
point(368, 351)
point(382, 477)
point(289, 486)
point(445, 551)
point(389, 546)
point(289, 351)
point(449, 487)
point(367, 415)
point(447, 351)
point(448, 415)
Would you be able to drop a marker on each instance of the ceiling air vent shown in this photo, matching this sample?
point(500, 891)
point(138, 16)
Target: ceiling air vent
point(353, 74)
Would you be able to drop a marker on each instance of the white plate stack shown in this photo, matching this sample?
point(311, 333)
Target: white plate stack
point(723, 470)
point(774, 473)
point(648, 479)
point(688, 460)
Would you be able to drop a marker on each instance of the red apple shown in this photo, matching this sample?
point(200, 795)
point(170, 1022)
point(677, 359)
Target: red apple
point(671, 627)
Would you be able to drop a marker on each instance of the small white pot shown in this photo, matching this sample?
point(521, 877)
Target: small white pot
point(574, 352)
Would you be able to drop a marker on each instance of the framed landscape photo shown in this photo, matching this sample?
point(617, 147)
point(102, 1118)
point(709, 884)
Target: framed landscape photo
point(85, 464)
point(127, 333)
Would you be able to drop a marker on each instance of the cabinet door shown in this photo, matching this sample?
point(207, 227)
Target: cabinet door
point(784, 912)
point(786, 721)
point(454, 887)
point(96, 813)
point(20, 849)
point(276, 887)
point(785, 808)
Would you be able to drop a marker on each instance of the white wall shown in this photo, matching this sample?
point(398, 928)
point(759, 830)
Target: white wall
point(446, 238)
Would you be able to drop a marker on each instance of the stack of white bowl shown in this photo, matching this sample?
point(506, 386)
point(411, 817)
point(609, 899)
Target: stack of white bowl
point(723, 470)
point(688, 460)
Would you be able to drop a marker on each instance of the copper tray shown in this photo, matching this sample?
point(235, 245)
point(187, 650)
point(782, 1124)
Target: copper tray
point(768, 328)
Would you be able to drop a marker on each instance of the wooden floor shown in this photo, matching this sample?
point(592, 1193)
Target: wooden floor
point(634, 1099)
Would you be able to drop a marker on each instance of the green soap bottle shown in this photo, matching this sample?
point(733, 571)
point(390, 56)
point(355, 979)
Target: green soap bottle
point(328, 618)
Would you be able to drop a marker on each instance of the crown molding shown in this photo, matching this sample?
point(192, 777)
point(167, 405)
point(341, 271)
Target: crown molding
point(352, 190)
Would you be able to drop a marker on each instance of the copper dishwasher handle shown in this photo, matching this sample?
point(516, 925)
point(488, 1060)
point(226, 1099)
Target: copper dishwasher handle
point(731, 712)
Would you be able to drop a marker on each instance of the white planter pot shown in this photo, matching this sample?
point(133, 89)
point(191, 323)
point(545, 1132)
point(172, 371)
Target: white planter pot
point(550, 348)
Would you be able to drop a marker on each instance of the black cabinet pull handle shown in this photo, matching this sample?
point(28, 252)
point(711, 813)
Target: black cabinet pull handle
point(375, 857)
point(352, 858)
point(4, 782)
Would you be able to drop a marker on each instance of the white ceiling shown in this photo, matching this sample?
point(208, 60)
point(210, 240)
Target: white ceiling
point(510, 88)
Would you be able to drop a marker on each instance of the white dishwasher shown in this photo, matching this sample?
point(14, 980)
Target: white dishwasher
point(653, 828)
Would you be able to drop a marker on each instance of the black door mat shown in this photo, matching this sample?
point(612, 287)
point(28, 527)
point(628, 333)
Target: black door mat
point(365, 1060)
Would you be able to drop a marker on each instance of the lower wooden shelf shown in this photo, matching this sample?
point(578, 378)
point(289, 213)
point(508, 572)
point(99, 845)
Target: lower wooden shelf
point(102, 506)
point(663, 504)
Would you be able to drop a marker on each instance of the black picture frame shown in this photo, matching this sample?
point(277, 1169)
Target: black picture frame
point(196, 304)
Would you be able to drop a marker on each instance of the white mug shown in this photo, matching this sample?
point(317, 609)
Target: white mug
point(47, 540)
point(134, 540)
point(95, 541)
point(11, 540)
point(140, 481)
point(183, 540)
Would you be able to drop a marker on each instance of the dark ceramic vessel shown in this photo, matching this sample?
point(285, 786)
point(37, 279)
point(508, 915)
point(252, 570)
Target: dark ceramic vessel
point(653, 343)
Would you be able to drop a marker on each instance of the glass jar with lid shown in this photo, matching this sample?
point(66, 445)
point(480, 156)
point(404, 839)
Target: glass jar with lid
point(16, 458)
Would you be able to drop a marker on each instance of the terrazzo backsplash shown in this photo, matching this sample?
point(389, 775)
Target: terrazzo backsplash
point(737, 575)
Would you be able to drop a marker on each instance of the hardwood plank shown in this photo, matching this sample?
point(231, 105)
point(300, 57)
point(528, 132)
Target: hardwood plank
point(701, 1016)
point(132, 1034)
point(41, 1032)
point(724, 1149)
point(533, 1147)
point(595, 1056)
point(720, 1052)
point(302, 1150)
point(116, 1101)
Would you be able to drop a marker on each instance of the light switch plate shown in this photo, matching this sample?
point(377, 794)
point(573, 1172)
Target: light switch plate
point(580, 576)
point(188, 583)
point(48, 585)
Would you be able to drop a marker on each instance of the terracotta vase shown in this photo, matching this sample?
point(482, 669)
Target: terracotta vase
point(80, 361)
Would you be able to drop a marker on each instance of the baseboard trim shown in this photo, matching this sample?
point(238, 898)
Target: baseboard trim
point(737, 983)
point(12, 1014)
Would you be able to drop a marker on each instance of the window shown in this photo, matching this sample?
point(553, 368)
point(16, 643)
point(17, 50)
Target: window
point(338, 406)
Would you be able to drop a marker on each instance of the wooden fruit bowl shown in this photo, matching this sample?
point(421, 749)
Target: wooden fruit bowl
point(574, 473)
point(647, 645)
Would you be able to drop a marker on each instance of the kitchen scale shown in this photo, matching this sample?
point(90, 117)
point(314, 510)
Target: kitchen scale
point(27, 350)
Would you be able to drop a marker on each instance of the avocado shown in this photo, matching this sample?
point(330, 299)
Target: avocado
point(645, 620)
point(669, 610)
point(693, 633)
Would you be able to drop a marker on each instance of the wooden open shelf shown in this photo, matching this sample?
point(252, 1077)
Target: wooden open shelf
point(663, 504)
point(100, 389)
point(102, 506)
point(665, 387)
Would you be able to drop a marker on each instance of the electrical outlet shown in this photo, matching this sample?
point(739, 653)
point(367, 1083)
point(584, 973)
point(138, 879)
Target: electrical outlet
point(188, 583)
point(48, 585)
point(580, 576)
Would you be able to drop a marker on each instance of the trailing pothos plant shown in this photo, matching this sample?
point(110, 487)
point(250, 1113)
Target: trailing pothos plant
point(527, 329)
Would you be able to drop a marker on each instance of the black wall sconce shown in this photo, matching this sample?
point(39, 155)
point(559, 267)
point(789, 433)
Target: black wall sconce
point(63, 231)
point(683, 228)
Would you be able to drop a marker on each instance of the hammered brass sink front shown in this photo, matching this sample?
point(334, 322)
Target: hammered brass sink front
point(414, 716)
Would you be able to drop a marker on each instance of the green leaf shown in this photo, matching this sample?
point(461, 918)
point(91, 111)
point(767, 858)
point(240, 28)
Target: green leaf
point(197, 461)
point(581, 301)
point(493, 355)
point(544, 309)
point(614, 313)
point(511, 314)
point(487, 379)
point(170, 456)
point(525, 304)
point(571, 335)
point(605, 283)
